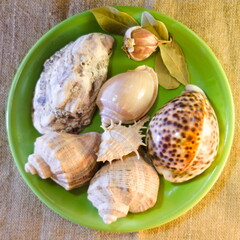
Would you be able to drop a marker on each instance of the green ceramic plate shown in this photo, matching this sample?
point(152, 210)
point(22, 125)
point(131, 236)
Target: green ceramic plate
point(174, 199)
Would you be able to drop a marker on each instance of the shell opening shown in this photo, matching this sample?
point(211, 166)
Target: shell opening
point(110, 213)
point(37, 165)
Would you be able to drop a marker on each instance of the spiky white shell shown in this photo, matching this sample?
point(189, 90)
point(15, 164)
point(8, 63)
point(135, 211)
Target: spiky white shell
point(183, 136)
point(128, 96)
point(118, 140)
point(70, 160)
point(123, 186)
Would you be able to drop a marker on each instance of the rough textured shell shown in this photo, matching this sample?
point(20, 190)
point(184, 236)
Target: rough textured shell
point(183, 136)
point(65, 94)
point(118, 140)
point(122, 186)
point(70, 160)
point(128, 96)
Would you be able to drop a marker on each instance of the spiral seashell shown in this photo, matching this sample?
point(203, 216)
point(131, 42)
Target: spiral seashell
point(69, 160)
point(183, 136)
point(128, 96)
point(124, 186)
point(118, 140)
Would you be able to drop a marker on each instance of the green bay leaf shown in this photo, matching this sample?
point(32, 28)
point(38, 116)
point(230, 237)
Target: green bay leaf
point(164, 77)
point(156, 27)
point(113, 21)
point(174, 61)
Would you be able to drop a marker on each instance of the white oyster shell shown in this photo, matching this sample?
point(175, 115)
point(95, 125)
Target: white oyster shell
point(66, 92)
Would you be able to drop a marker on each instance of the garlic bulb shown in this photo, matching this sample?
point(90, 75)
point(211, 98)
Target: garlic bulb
point(70, 160)
point(118, 141)
point(183, 136)
point(128, 96)
point(124, 186)
point(139, 43)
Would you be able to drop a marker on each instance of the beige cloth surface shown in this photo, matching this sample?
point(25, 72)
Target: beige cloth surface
point(24, 216)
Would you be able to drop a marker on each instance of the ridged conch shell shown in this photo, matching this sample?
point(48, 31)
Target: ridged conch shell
point(124, 186)
point(183, 136)
point(70, 160)
point(66, 92)
point(128, 96)
point(118, 140)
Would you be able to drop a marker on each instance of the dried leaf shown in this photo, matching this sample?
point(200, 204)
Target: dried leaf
point(113, 21)
point(164, 78)
point(156, 27)
point(174, 60)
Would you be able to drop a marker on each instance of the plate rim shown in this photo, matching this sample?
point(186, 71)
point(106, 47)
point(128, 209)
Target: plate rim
point(51, 206)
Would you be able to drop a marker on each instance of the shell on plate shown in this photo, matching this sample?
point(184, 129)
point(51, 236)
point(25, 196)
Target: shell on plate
point(119, 140)
point(183, 136)
point(70, 160)
point(124, 186)
point(66, 92)
point(128, 96)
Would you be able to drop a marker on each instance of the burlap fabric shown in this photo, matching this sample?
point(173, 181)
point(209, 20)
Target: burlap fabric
point(23, 216)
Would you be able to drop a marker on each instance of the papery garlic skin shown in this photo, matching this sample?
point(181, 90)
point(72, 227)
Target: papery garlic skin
point(139, 43)
point(128, 96)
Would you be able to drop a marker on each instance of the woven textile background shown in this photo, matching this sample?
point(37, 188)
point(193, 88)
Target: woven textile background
point(23, 216)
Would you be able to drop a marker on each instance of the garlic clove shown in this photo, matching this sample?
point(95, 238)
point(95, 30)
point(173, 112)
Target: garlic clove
point(128, 96)
point(139, 43)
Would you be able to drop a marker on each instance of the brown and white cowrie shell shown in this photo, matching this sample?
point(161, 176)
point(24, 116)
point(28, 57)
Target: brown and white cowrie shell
point(183, 136)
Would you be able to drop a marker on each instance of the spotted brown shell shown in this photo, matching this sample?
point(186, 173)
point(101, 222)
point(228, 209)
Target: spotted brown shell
point(183, 136)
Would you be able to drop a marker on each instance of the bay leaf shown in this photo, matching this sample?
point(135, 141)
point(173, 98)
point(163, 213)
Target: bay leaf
point(174, 61)
point(164, 77)
point(156, 27)
point(113, 21)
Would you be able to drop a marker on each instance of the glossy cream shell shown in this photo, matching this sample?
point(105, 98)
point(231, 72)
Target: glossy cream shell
point(128, 96)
